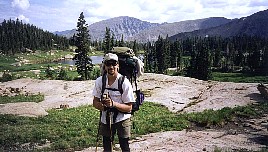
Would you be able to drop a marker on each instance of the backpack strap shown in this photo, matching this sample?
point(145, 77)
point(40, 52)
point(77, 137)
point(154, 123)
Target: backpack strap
point(103, 84)
point(120, 83)
point(135, 80)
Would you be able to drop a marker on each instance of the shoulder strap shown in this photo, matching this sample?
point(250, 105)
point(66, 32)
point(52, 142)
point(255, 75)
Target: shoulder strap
point(120, 83)
point(103, 84)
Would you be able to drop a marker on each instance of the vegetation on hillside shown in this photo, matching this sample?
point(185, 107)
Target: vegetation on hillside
point(245, 54)
point(21, 98)
point(17, 37)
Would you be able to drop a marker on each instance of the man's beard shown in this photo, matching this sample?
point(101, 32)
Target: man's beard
point(111, 71)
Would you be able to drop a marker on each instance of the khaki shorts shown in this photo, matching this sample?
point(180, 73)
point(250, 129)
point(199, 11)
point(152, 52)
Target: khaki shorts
point(123, 129)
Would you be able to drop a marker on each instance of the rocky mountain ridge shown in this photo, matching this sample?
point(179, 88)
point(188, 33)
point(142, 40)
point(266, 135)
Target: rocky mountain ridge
point(169, 29)
point(253, 25)
point(142, 31)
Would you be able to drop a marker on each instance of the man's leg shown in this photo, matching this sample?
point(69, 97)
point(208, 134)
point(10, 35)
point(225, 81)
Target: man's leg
point(124, 144)
point(106, 137)
point(123, 132)
point(106, 141)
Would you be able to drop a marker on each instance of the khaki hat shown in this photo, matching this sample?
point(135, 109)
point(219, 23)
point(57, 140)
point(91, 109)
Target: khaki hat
point(110, 56)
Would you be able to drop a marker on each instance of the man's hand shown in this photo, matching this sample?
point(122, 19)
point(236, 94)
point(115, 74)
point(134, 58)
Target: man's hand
point(108, 102)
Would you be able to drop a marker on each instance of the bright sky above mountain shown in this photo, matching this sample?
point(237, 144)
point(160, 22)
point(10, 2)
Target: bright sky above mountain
point(60, 15)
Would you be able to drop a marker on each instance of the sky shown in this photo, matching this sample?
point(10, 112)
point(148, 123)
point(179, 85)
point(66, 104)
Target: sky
point(61, 15)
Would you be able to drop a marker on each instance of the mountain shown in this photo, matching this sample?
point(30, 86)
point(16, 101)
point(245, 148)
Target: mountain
point(67, 33)
point(253, 25)
point(142, 31)
point(128, 26)
point(178, 27)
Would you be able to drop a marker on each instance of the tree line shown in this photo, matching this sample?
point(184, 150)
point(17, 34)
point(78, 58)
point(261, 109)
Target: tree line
point(16, 37)
point(199, 56)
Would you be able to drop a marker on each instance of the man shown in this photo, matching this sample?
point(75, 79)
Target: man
point(115, 105)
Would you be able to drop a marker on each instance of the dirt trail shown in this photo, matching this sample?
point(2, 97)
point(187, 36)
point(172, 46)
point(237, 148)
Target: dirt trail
point(179, 94)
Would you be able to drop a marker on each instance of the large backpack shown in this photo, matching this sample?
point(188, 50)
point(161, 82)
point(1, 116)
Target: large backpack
point(127, 64)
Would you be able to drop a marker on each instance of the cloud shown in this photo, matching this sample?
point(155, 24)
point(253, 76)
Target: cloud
point(21, 4)
point(23, 18)
point(257, 3)
point(159, 11)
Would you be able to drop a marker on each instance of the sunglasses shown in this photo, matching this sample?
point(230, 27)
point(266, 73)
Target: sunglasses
point(109, 63)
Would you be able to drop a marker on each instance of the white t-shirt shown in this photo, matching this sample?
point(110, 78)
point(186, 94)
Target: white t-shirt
point(116, 96)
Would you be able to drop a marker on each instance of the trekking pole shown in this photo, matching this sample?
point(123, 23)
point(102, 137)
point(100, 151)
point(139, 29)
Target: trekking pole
point(111, 132)
point(110, 124)
point(97, 139)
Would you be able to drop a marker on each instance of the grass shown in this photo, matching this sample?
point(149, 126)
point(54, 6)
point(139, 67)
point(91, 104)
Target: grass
point(220, 117)
point(37, 61)
point(71, 128)
point(21, 98)
point(230, 77)
point(43, 56)
point(76, 128)
point(6, 62)
point(34, 59)
point(238, 77)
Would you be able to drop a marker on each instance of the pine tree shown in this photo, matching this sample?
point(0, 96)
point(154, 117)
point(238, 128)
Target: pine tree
point(135, 47)
point(121, 42)
point(112, 42)
point(175, 55)
point(166, 54)
point(192, 69)
point(159, 50)
point(83, 62)
point(204, 61)
point(107, 41)
point(149, 57)
point(265, 62)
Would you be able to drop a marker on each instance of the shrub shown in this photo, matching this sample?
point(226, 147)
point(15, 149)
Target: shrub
point(50, 73)
point(62, 75)
point(6, 77)
point(95, 73)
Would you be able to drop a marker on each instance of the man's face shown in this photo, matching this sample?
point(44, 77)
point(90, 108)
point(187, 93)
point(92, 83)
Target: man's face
point(111, 66)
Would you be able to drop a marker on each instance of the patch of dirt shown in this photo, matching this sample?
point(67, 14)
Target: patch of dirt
point(179, 94)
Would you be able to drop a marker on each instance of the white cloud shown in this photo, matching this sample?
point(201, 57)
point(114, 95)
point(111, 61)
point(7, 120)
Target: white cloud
point(161, 10)
point(21, 4)
point(23, 18)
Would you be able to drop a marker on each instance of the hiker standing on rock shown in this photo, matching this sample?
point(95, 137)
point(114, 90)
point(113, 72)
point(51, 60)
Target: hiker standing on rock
point(113, 104)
